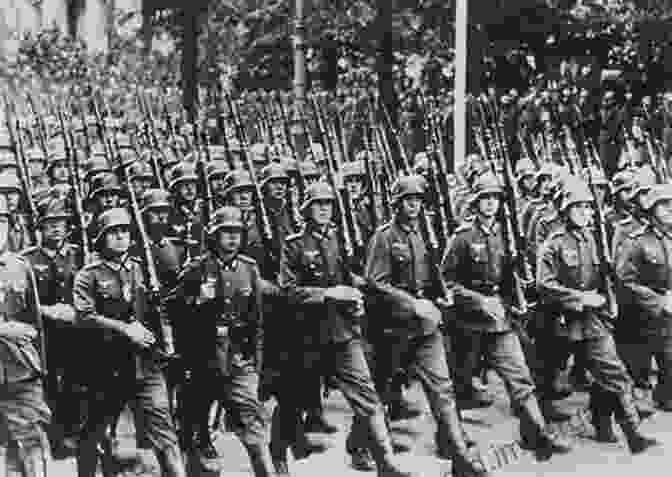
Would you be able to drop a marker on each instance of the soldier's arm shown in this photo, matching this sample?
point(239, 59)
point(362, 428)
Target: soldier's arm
point(378, 270)
point(288, 281)
point(550, 288)
point(628, 266)
point(258, 311)
point(85, 305)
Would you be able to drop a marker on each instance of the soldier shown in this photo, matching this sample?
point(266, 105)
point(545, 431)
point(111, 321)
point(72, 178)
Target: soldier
point(105, 194)
point(55, 261)
point(642, 266)
point(216, 172)
point(24, 412)
point(397, 267)
point(569, 279)
point(317, 283)
point(474, 267)
point(110, 300)
point(610, 138)
point(20, 235)
point(57, 168)
point(141, 177)
point(224, 347)
point(185, 218)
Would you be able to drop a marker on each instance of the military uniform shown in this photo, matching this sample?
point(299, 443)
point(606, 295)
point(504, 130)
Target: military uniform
point(643, 266)
point(567, 269)
point(108, 296)
point(23, 408)
point(399, 269)
point(327, 310)
point(54, 272)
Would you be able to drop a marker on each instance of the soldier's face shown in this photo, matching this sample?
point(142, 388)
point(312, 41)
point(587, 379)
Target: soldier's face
point(411, 205)
point(187, 190)
point(35, 168)
point(322, 211)
point(54, 230)
point(580, 214)
point(217, 184)
point(488, 205)
point(118, 240)
point(229, 239)
point(277, 189)
point(662, 211)
point(625, 194)
point(242, 198)
point(354, 188)
point(545, 186)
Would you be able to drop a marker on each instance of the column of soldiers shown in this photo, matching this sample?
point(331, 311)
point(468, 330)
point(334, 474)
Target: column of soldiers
point(195, 274)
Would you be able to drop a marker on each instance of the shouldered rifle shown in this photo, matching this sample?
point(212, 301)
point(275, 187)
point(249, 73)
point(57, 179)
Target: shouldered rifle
point(14, 131)
point(263, 221)
point(75, 185)
point(345, 238)
point(163, 331)
point(153, 140)
point(426, 227)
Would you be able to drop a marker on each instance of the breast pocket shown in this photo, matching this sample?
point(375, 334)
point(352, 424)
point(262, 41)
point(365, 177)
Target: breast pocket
point(570, 261)
point(654, 262)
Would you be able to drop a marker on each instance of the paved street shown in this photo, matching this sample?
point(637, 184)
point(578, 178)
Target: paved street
point(493, 426)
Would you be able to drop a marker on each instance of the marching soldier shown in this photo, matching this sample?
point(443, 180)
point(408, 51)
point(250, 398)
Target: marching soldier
point(474, 267)
point(643, 266)
point(105, 194)
point(569, 278)
point(328, 308)
point(55, 261)
point(185, 218)
point(24, 413)
point(110, 299)
point(397, 267)
point(224, 345)
point(19, 230)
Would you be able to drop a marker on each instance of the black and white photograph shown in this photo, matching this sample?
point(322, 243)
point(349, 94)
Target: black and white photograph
point(335, 238)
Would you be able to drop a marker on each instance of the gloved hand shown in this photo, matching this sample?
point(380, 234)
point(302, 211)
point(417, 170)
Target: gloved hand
point(592, 299)
point(17, 331)
point(427, 312)
point(346, 296)
point(59, 312)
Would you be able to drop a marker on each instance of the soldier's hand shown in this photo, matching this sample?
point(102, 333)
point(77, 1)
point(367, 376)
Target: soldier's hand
point(592, 299)
point(667, 305)
point(62, 312)
point(18, 331)
point(139, 335)
point(494, 308)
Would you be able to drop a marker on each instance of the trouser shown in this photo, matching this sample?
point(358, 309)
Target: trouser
point(637, 354)
point(153, 421)
point(24, 449)
point(238, 391)
point(346, 364)
point(504, 355)
point(613, 385)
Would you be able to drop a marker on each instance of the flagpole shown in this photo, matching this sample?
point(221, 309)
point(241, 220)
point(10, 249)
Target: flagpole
point(459, 93)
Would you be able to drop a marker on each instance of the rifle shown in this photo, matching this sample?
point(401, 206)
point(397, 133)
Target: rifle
point(153, 140)
point(426, 228)
point(602, 242)
point(263, 222)
point(73, 169)
point(345, 239)
point(206, 203)
point(16, 144)
point(164, 347)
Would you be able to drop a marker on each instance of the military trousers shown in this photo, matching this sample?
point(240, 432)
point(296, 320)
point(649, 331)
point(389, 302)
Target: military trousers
point(503, 353)
point(345, 364)
point(637, 354)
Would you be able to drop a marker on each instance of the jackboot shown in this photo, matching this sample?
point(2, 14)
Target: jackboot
point(360, 456)
point(628, 417)
point(602, 408)
point(382, 450)
point(260, 458)
point(534, 434)
point(453, 445)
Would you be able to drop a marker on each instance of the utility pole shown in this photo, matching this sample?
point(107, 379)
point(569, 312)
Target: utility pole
point(460, 91)
point(300, 81)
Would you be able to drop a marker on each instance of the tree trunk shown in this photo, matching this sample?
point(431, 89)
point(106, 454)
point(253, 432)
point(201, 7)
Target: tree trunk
point(190, 60)
point(147, 30)
point(385, 61)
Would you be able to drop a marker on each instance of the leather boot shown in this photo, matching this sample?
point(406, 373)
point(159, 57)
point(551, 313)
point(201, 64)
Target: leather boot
point(360, 456)
point(601, 407)
point(382, 450)
point(260, 458)
point(534, 434)
point(453, 445)
point(626, 413)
